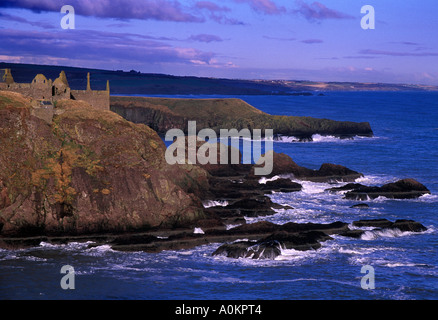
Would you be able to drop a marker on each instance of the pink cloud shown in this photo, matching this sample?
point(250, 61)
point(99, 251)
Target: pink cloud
point(211, 6)
point(264, 6)
point(217, 13)
point(163, 10)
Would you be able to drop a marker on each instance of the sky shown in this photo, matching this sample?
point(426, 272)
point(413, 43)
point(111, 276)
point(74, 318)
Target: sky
point(239, 39)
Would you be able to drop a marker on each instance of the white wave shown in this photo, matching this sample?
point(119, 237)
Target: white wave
point(48, 245)
point(186, 252)
point(214, 203)
point(231, 226)
point(429, 198)
point(33, 258)
point(263, 180)
point(400, 264)
point(198, 231)
point(372, 180)
point(293, 255)
point(314, 187)
point(101, 249)
point(68, 246)
point(287, 139)
point(426, 198)
point(318, 138)
point(384, 233)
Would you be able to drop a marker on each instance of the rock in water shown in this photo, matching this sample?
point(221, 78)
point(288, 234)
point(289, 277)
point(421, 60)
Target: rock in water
point(408, 225)
point(271, 246)
point(381, 224)
point(360, 206)
point(284, 165)
point(402, 189)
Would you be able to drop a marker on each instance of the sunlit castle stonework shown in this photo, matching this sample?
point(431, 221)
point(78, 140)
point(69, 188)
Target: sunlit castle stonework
point(48, 91)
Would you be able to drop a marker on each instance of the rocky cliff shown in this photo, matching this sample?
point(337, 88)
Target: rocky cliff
point(161, 114)
point(87, 171)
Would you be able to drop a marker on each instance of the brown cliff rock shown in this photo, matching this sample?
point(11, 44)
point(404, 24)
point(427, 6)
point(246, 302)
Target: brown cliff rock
point(87, 171)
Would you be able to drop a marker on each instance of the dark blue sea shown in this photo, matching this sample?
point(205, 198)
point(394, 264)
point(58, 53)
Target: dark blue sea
point(405, 145)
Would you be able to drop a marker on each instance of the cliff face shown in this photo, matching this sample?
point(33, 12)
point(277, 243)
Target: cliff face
point(162, 114)
point(87, 171)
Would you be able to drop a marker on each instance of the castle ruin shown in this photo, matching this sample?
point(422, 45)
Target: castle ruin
point(45, 89)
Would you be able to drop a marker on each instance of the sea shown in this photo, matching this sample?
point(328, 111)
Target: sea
point(400, 265)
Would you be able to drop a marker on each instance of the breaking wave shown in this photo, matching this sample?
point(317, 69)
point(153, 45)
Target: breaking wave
point(317, 138)
point(214, 203)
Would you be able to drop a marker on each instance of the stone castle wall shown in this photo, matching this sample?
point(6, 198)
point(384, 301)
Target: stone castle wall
point(98, 99)
point(42, 88)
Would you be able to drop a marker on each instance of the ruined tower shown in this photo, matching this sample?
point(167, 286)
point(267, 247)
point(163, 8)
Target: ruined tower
point(42, 88)
point(6, 76)
point(88, 82)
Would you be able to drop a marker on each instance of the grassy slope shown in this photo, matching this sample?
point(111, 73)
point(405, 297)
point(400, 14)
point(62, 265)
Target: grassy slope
point(164, 113)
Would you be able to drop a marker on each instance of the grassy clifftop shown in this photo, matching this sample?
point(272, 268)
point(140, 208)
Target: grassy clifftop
point(162, 114)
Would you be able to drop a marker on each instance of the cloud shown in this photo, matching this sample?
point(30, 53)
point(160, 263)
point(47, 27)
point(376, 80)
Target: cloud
point(162, 10)
point(264, 6)
point(217, 13)
point(398, 54)
point(97, 48)
point(312, 41)
point(9, 17)
point(206, 38)
point(317, 11)
point(222, 19)
point(279, 38)
point(408, 43)
point(211, 6)
point(359, 57)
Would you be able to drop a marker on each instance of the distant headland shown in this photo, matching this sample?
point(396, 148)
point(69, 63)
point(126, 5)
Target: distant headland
point(135, 82)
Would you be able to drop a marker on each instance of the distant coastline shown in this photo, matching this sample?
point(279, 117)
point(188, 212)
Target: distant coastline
point(134, 82)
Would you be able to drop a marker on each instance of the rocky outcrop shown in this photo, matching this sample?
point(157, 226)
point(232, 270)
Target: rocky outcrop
point(161, 114)
point(402, 189)
point(383, 224)
point(88, 171)
point(265, 239)
point(306, 236)
point(284, 165)
point(402, 225)
point(360, 206)
point(272, 246)
point(91, 175)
